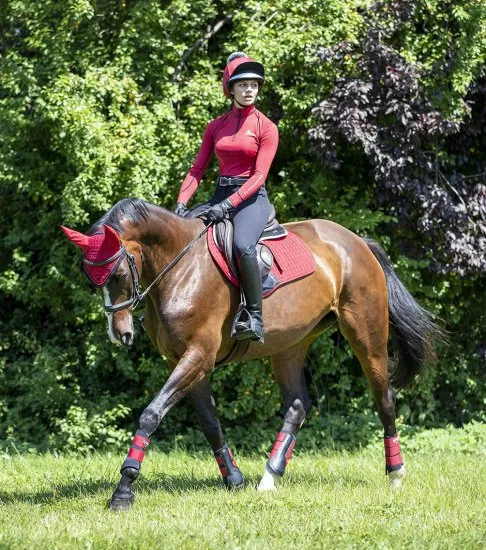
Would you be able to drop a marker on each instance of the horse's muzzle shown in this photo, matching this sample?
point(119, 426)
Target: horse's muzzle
point(127, 338)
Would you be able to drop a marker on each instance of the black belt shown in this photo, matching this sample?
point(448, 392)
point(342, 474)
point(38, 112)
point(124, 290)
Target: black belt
point(231, 181)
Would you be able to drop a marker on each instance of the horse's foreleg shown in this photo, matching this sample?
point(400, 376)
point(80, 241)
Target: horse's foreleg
point(188, 372)
point(288, 371)
point(205, 406)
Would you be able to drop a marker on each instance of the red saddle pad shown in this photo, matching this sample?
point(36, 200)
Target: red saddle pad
point(292, 259)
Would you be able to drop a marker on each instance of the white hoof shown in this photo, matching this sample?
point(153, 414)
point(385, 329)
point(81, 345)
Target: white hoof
point(267, 482)
point(396, 477)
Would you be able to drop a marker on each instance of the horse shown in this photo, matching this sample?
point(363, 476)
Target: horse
point(189, 310)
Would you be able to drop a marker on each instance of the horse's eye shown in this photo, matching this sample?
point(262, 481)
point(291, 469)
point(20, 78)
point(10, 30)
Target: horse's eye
point(120, 277)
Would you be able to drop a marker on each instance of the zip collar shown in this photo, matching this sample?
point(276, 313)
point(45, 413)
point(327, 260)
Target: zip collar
point(243, 112)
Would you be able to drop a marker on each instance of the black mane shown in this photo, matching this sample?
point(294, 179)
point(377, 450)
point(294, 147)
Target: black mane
point(133, 210)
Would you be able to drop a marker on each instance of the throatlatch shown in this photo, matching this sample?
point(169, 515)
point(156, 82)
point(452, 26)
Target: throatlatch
point(281, 453)
point(393, 455)
point(136, 453)
point(232, 477)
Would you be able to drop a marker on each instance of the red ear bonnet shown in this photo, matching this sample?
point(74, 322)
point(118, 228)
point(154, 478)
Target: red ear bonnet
point(97, 248)
point(77, 238)
point(111, 242)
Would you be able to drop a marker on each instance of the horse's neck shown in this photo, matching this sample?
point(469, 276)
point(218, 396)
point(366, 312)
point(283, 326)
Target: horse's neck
point(161, 238)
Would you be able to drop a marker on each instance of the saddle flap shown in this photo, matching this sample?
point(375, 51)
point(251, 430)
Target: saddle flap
point(223, 238)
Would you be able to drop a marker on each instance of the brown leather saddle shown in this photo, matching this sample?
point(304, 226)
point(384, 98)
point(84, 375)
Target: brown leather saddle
point(223, 237)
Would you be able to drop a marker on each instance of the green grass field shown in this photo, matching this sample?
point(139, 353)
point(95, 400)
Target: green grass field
point(328, 500)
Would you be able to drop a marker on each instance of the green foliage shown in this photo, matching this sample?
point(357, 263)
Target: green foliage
point(104, 100)
point(80, 433)
point(471, 439)
point(453, 38)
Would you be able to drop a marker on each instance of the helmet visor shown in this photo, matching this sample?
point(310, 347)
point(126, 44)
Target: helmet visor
point(246, 76)
point(249, 67)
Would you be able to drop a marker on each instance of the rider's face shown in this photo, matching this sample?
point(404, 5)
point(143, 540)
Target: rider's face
point(245, 92)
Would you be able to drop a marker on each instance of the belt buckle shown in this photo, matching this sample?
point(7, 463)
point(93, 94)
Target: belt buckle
point(231, 181)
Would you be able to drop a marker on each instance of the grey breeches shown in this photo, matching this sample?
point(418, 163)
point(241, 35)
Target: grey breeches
point(249, 219)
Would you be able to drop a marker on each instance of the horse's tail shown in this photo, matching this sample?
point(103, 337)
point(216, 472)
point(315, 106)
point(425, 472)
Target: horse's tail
point(412, 329)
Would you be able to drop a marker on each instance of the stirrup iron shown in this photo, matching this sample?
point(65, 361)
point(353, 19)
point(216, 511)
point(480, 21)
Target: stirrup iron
point(247, 325)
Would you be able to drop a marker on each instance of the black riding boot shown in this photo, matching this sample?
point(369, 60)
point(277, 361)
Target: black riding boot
point(249, 322)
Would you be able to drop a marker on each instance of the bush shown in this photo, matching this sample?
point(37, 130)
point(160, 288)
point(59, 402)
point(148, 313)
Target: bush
point(103, 100)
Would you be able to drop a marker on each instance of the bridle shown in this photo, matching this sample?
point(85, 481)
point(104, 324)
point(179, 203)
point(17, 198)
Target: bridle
point(121, 255)
point(137, 296)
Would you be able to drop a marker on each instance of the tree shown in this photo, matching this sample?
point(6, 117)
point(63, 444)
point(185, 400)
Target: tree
point(108, 99)
point(416, 134)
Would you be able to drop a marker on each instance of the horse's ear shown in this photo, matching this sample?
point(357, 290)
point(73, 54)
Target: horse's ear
point(112, 239)
point(79, 239)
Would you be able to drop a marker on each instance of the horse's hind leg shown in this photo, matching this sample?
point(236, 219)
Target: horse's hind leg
point(365, 325)
point(203, 401)
point(289, 374)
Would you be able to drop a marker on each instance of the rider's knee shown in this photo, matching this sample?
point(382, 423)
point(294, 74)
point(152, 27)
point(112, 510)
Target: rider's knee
point(243, 248)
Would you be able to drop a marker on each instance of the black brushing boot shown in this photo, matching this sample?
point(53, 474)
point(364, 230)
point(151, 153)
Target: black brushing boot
point(232, 477)
point(248, 322)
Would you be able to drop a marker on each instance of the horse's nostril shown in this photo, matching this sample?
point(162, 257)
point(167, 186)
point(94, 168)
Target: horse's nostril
point(126, 338)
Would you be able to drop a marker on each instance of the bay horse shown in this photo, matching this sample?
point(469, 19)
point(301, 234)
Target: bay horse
point(189, 310)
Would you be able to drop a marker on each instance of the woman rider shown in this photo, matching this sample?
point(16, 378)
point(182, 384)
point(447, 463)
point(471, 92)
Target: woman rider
point(245, 142)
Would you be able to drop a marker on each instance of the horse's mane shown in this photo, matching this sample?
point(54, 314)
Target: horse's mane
point(131, 210)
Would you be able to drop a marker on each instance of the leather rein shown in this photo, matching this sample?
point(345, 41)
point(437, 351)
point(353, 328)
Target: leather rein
point(138, 296)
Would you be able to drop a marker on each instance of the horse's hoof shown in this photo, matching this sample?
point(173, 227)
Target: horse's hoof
point(396, 478)
point(235, 487)
point(235, 482)
point(267, 482)
point(121, 504)
point(262, 488)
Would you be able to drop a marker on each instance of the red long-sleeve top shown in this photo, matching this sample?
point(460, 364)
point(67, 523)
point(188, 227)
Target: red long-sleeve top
point(245, 142)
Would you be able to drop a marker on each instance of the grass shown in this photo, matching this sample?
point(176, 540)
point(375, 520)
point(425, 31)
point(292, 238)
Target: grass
point(327, 500)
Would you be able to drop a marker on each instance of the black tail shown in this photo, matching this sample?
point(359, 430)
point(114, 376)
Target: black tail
point(412, 329)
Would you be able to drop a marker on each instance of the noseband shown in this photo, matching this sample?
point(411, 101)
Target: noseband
point(137, 296)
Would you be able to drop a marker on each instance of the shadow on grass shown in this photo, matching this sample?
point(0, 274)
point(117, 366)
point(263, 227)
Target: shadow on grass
point(103, 489)
point(92, 488)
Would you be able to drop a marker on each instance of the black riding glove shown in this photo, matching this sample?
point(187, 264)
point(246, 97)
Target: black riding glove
point(181, 209)
point(219, 211)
